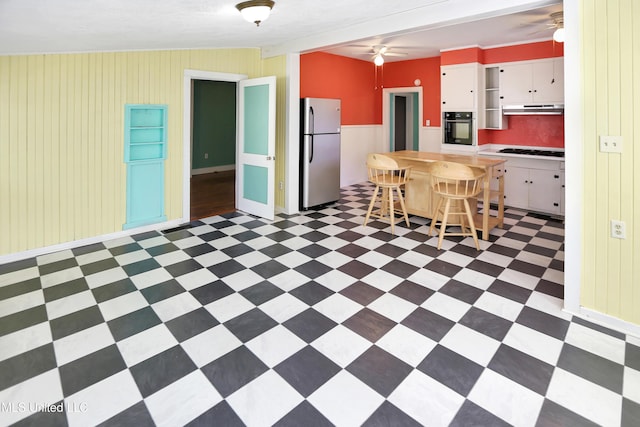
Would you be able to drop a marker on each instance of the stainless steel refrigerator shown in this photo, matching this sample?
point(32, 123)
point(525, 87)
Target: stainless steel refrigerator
point(319, 151)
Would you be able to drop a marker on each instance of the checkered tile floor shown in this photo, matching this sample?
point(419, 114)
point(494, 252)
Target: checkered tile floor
point(309, 320)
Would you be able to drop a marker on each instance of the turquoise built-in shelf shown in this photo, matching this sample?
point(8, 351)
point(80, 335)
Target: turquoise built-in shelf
point(145, 150)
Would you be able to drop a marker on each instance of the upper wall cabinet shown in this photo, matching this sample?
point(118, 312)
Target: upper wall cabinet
point(459, 87)
point(532, 82)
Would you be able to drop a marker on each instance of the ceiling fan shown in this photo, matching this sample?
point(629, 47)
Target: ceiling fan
point(378, 52)
point(557, 24)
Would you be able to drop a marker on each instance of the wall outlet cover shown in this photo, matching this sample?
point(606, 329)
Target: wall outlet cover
point(618, 229)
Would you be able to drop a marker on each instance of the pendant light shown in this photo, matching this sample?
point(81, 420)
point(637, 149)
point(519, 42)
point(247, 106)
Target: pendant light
point(255, 11)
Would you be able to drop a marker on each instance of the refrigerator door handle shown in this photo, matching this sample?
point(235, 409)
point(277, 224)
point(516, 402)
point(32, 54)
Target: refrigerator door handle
point(312, 124)
point(310, 148)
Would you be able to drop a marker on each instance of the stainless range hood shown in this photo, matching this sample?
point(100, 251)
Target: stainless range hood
point(533, 109)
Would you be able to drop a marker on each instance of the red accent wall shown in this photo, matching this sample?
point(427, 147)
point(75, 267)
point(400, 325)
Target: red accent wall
point(542, 131)
point(323, 75)
point(427, 70)
point(524, 52)
point(462, 56)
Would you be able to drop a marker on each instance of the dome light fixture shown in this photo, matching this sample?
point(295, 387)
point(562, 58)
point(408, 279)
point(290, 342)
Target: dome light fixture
point(255, 11)
point(378, 60)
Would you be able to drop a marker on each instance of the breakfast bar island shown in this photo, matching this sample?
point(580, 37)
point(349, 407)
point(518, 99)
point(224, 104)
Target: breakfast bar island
point(421, 201)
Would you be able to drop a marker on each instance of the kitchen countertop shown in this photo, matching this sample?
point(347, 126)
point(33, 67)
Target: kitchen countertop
point(469, 160)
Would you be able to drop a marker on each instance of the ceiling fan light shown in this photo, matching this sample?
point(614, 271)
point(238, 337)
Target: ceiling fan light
point(378, 60)
point(255, 11)
point(558, 35)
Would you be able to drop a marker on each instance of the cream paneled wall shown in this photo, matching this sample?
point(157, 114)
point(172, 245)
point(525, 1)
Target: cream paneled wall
point(277, 67)
point(62, 176)
point(610, 65)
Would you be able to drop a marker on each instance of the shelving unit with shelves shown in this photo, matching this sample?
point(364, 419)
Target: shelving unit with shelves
point(492, 108)
point(145, 132)
point(145, 150)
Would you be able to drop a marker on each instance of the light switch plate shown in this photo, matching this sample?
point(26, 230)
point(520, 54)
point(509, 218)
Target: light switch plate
point(610, 144)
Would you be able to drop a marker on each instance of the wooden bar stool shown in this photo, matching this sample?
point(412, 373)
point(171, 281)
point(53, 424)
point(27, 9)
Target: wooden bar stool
point(455, 183)
point(387, 176)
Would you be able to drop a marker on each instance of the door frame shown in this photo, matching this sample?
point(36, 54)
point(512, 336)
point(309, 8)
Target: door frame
point(387, 112)
point(187, 124)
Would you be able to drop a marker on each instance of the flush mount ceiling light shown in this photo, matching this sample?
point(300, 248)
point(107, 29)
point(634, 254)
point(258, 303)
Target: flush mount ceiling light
point(255, 11)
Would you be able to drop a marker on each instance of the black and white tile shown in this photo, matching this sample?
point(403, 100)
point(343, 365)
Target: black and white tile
point(313, 320)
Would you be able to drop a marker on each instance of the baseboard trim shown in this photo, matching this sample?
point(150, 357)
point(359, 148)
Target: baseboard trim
point(608, 321)
point(4, 259)
point(213, 169)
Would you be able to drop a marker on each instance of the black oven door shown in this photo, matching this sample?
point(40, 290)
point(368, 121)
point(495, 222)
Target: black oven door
point(458, 131)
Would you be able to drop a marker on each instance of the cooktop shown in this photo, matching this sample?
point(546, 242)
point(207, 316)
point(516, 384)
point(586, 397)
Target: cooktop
point(531, 152)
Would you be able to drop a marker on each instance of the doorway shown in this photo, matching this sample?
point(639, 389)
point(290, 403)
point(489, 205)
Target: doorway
point(211, 189)
point(213, 147)
point(400, 123)
point(401, 118)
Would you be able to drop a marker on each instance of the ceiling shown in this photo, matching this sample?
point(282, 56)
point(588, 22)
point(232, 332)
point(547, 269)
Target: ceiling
point(420, 28)
point(528, 26)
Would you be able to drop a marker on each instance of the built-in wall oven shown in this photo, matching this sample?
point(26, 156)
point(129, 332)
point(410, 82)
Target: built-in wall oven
point(458, 128)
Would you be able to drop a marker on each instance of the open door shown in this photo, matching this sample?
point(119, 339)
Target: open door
point(255, 162)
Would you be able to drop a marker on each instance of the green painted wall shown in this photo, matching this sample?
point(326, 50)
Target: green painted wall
point(214, 124)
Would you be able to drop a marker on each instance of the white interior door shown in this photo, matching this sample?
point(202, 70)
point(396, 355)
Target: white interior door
point(255, 162)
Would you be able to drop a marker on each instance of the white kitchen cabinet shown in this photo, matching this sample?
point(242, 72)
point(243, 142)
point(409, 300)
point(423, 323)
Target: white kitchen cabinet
point(516, 188)
point(540, 190)
point(562, 202)
point(459, 86)
point(532, 82)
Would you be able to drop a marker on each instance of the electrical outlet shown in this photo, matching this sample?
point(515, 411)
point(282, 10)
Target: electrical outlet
point(610, 144)
point(206, 155)
point(427, 123)
point(618, 229)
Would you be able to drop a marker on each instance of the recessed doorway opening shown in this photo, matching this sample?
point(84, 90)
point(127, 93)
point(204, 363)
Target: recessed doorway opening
point(213, 147)
point(209, 146)
point(401, 118)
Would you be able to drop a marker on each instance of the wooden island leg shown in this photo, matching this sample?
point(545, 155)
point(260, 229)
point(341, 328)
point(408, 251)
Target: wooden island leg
point(486, 204)
point(501, 201)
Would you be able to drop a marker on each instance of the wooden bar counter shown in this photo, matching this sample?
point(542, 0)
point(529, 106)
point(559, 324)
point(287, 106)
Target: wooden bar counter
point(421, 201)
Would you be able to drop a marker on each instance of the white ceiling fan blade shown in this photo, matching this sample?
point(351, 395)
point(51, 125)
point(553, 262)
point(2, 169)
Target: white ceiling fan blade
point(395, 54)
